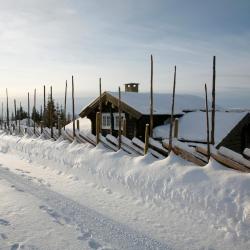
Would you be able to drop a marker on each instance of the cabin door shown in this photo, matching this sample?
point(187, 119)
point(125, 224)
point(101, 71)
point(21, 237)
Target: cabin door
point(246, 137)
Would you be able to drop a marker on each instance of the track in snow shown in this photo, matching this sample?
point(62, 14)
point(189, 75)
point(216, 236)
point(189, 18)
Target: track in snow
point(96, 229)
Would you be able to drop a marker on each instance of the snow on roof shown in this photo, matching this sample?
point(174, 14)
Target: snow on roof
point(162, 102)
point(192, 126)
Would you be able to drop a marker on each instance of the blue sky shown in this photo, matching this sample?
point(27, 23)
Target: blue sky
point(45, 42)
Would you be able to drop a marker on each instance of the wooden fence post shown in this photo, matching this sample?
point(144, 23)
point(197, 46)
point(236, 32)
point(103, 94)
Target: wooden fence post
point(28, 109)
point(100, 101)
point(34, 111)
point(51, 115)
point(7, 104)
point(2, 114)
point(44, 106)
point(151, 100)
point(19, 119)
point(59, 126)
point(97, 127)
point(65, 104)
point(15, 112)
point(119, 110)
point(73, 107)
point(213, 102)
point(78, 124)
point(146, 139)
point(124, 127)
point(176, 127)
point(207, 118)
point(41, 124)
point(172, 112)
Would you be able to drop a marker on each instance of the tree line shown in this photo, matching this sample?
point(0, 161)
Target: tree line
point(51, 115)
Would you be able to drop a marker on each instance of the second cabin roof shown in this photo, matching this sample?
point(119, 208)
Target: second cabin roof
point(139, 103)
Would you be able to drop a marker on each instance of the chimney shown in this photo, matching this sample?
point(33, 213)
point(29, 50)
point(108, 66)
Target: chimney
point(132, 87)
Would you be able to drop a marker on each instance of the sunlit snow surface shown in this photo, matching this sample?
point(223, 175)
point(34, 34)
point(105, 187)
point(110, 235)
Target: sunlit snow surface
point(54, 194)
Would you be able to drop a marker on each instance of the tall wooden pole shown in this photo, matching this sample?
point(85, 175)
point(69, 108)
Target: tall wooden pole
point(2, 114)
point(119, 110)
point(100, 102)
point(213, 102)
point(65, 104)
point(15, 112)
point(97, 127)
point(51, 114)
point(28, 109)
point(73, 107)
point(34, 111)
point(19, 119)
point(151, 100)
point(172, 112)
point(7, 109)
point(44, 101)
point(207, 118)
point(146, 139)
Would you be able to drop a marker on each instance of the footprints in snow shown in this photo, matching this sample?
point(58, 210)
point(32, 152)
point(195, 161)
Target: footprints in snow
point(22, 171)
point(3, 236)
point(17, 189)
point(55, 216)
point(31, 178)
point(85, 234)
point(17, 246)
point(4, 222)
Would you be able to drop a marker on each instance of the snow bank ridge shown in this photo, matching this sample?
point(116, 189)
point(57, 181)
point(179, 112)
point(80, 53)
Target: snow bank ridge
point(213, 193)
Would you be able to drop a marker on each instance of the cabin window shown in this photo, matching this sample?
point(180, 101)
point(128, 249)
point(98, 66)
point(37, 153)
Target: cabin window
point(106, 121)
point(116, 120)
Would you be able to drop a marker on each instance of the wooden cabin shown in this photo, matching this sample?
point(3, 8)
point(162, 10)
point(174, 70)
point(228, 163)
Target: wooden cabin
point(135, 108)
point(232, 129)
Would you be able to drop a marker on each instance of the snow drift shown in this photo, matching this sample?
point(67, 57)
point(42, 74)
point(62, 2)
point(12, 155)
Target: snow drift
point(213, 193)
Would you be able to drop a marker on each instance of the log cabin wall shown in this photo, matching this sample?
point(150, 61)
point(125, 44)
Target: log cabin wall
point(134, 127)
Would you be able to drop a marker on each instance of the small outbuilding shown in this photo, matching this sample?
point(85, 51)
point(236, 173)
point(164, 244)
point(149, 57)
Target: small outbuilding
point(135, 108)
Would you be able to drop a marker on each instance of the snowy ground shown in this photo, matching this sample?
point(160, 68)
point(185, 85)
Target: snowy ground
point(56, 195)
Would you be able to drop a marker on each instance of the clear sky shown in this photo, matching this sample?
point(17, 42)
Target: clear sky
point(46, 41)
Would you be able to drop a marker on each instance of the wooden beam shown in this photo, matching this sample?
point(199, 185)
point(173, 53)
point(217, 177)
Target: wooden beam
point(201, 150)
point(188, 156)
point(230, 163)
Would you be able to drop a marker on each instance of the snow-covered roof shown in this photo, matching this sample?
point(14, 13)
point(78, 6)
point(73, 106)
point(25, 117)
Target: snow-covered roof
point(192, 126)
point(162, 102)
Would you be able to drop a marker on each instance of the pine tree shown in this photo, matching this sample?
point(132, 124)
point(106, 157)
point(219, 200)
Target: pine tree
point(50, 109)
point(35, 116)
point(21, 114)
